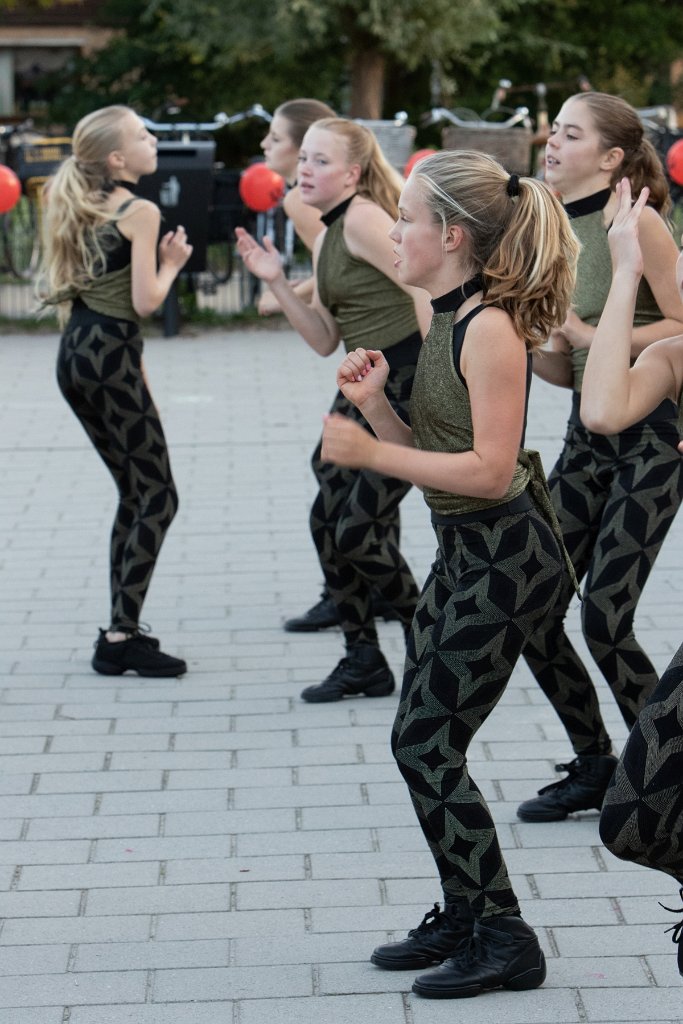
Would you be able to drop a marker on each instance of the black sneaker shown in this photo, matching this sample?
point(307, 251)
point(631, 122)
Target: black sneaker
point(438, 937)
point(324, 614)
point(363, 670)
point(677, 930)
point(321, 616)
point(135, 654)
point(502, 953)
point(583, 789)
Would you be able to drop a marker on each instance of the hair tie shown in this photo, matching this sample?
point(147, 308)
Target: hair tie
point(512, 188)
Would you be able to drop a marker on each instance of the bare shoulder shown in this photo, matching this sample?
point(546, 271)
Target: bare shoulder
point(364, 217)
point(141, 215)
point(491, 333)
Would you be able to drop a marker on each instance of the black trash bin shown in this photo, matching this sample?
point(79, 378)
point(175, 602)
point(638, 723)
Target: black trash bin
point(182, 187)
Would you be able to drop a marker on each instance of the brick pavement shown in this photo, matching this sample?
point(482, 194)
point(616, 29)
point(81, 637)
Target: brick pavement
point(211, 849)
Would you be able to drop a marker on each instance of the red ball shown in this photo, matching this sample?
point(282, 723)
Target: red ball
point(261, 188)
point(10, 188)
point(674, 162)
point(418, 155)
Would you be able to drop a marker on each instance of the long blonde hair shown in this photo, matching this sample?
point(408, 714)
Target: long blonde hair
point(74, 242)
point(378, 180)
point(518, 236)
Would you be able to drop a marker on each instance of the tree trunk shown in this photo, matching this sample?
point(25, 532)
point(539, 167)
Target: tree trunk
point(368, 67)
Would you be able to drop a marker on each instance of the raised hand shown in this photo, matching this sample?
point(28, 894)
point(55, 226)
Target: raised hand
point(174, 248)
point(623, 234)
point(346, 443)
point(362, 375)
point(263, 261)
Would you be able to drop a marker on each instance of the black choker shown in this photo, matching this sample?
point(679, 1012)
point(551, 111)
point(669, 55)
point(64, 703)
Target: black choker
point(132, 186)
point(332, 215)
point(589, 204)
point(452, 301)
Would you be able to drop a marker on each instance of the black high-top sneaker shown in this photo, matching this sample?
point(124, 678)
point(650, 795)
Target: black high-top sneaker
point(503, 953)
point(137, 653)
point(583, 789)
point(363, 670)
point(437, 937)
point(677, 930)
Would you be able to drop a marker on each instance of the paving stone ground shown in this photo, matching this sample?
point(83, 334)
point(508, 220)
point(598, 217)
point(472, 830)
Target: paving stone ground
point(212, 850)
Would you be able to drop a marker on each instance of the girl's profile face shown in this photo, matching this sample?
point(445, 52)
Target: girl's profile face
point(137, 149)
point(325, 176)
point(418, 242)
point(280, 151)
point(575, 153)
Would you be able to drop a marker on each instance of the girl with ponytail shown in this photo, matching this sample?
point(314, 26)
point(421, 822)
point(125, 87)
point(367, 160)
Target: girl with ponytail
point(358, 299)
point(615, 495)
point(497, 256)
point(105, 269)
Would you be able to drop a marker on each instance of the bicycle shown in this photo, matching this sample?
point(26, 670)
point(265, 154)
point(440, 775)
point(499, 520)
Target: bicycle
point(34, 157)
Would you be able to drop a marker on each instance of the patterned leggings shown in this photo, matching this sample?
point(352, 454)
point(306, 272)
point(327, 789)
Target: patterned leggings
point(99, 372)
point(642, 816)
point(354, 524)
point(615, 499)
point(489, 589)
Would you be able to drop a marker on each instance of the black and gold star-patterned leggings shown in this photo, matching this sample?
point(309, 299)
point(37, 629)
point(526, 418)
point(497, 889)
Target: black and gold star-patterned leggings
point(354, 520)
point(493, 581)
point(615, 499)
point(99, 372)
point(642, 816)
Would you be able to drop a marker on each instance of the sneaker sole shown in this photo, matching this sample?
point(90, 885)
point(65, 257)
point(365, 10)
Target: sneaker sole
point(108, 668)
point(415, 964)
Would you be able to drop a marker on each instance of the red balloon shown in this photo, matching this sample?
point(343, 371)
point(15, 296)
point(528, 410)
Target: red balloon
point(10, 188)
point(420, 154)
point(261, 188)
point(674, 162)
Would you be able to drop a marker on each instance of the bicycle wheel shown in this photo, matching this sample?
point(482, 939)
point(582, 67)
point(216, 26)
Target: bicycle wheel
point(22, 240)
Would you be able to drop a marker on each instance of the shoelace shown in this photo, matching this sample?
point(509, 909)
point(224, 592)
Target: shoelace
point(429, 921)
point(572, 770)
point(676, 929)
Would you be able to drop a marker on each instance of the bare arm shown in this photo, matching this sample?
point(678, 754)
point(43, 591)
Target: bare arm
point(366, 233)
point(314, 322)
point(494, 364)
point(151, 282)
point(552, 363)
point(307, 224)
point(614, 395)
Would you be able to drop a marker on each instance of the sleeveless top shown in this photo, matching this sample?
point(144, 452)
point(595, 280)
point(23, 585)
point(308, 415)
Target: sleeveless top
point(370, 309)
point(594, 279)
point(110, 293)
point(441, 414)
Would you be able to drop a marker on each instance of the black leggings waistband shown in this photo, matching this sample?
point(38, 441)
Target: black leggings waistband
point(522, 503)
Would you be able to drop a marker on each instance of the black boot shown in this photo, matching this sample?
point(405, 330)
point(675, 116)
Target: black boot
point(583, 789)
point(363, 670)
point(321, 616)
point(438, 936)
point(503, 952)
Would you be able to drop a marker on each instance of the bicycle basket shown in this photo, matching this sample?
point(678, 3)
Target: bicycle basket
point(510, 146)
point(395, 140)
point(39, 158)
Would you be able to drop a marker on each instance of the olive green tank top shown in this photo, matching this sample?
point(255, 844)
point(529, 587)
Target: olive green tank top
point(370, 309)
point(110, 293)
point(593, 281)
point(441, 415)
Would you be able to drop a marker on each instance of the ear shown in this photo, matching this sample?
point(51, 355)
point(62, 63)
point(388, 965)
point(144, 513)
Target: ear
point(116, 161)
point(454, 238)
point(611, 158)
point(354, 173)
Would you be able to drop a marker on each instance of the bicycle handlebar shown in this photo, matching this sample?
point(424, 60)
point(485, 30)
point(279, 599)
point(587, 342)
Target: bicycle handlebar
point(437, 114)
point(220, 120)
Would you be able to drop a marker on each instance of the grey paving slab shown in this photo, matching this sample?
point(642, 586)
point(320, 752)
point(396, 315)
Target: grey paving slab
point(212, 848)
